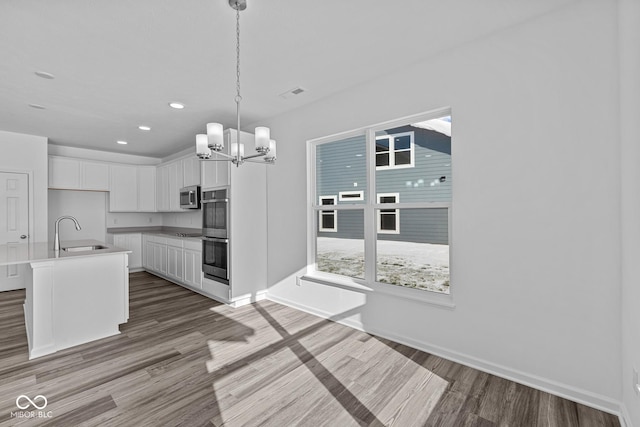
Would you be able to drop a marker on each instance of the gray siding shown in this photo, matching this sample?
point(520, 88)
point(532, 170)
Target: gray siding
point(341, 167)
point(416, 225)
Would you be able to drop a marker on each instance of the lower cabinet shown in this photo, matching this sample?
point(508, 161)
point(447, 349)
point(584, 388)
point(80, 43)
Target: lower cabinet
point(178, 260)
point(132, 242)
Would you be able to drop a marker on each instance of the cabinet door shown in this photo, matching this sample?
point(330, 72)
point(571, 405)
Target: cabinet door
point(64, 173)
point(191, 171)
point(162, 189)
point(134, 241)
point(123, 196)
point(175, 184)
point(148, 255)
point(174, 263)
point(193, 268)
point(95, 176)
point(147, 188)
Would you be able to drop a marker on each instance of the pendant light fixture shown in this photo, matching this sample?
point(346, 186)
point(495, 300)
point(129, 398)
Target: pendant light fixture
point(210, 146)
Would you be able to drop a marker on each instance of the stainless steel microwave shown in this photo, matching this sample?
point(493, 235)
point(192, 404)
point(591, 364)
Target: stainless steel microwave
point(190, 197)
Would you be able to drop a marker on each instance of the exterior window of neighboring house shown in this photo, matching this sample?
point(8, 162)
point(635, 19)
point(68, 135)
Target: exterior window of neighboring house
point(388, 219)
point(395, 151)
point(350, 196)
point(328, 220)
point(391, 186)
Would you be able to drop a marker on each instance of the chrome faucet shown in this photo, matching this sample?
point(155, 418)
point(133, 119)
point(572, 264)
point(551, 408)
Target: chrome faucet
point(56, 242)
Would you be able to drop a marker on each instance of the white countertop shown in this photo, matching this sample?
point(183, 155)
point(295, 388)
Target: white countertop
point(22, 253)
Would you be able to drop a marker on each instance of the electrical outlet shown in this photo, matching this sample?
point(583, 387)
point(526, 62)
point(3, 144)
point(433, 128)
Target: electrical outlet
point(150, 220)
point(297, 280)
point(636, 383)
point(115, 221)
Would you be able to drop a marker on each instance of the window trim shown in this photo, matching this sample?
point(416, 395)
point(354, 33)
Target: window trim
point(379, 213)
point(312, 274)
point(327, 212)
point(392, 151)
point(341, 196)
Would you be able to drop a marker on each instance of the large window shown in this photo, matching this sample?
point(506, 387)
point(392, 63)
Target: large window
point(389, 225)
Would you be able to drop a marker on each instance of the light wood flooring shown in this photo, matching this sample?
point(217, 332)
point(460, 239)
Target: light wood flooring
point(183, 359)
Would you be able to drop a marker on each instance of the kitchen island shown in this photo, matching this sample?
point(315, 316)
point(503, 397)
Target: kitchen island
point(73, 296)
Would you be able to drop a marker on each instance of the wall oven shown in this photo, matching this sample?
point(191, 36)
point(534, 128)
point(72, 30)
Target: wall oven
point(215, 213)
point(215, 234)
point(215, 259)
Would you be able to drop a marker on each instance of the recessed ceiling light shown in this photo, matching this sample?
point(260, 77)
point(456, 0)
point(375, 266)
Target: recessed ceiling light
point(122, 142)
point(144, 128)
point(176, 105)
point(45, 75)
point(37, 106)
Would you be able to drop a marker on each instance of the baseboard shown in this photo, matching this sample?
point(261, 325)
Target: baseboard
point(625, 418)
point(248, 299)
point(584, 397)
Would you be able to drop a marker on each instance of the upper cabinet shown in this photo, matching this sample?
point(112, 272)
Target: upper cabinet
point(132, 189)
point(191, 171)
point(75, 174)
point(169, 181)
point(217, 174)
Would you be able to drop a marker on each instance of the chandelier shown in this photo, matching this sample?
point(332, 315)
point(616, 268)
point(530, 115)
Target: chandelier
point(210, 146)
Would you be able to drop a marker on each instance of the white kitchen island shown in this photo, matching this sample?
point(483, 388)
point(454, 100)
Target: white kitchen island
point(73, 297)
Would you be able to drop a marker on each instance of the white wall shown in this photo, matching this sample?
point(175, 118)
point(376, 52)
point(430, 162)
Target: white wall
point(88, 207)
point(189, 219)
point(629, 18)
point(536, 203)
point(133, 219)
point(28, 153)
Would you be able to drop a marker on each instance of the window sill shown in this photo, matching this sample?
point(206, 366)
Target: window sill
point(427, 297)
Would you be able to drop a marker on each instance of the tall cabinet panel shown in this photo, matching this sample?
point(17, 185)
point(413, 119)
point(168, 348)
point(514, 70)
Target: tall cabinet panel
point(147, 188)
point(123, 196)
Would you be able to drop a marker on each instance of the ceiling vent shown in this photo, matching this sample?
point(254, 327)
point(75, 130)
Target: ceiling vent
point(293, 92)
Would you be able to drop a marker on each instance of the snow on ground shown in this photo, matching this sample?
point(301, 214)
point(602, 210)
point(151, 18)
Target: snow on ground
point(414, 265)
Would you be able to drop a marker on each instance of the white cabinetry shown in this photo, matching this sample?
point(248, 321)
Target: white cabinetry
point(124, 189)
point(216, 174)
point(192, 264)
point(132, 242)
point(74, 174)
point(147, 188)
point(132, 189)
point(169, 181)
point(178, 260)
point(94, 176)
point(191, 171)
point(174, 259)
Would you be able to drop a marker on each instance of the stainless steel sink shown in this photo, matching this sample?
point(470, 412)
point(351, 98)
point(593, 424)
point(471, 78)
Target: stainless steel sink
point(84, 248)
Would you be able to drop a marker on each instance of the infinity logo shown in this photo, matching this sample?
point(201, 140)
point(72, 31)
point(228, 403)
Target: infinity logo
point(32, 402)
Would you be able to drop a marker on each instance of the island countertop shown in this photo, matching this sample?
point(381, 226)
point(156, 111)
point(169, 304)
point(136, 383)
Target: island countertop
point(23, 253)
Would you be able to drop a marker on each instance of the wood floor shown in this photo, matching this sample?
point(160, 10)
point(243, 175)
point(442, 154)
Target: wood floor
point(183, 359)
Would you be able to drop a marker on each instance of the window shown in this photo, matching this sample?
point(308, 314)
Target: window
point(394, 151)
point(350, 196)
point(328, 219)
point(394, 229)
point(388, 222)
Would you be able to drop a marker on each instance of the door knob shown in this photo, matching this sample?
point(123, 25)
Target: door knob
point(24, 236)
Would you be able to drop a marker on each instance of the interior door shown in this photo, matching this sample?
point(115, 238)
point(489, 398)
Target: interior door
point(14, 223)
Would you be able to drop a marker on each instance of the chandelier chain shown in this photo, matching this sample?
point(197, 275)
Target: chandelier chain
point(238, 97)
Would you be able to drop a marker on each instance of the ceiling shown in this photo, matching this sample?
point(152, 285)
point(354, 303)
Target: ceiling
point(117, 64)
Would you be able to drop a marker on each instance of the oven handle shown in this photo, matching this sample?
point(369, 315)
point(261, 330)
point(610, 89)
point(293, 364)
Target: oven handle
point(215, 239)
point(214, 200)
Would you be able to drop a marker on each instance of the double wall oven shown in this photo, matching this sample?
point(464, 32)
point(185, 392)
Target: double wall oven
point(215, 234)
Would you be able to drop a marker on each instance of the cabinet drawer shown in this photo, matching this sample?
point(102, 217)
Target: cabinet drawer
point(174, 242)
point(194, 245)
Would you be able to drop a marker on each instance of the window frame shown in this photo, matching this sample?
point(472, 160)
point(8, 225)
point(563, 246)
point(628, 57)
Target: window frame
point(360, 198)
point(396, 213)
point(392, 151)
point(369, 283)
point(323, 212)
